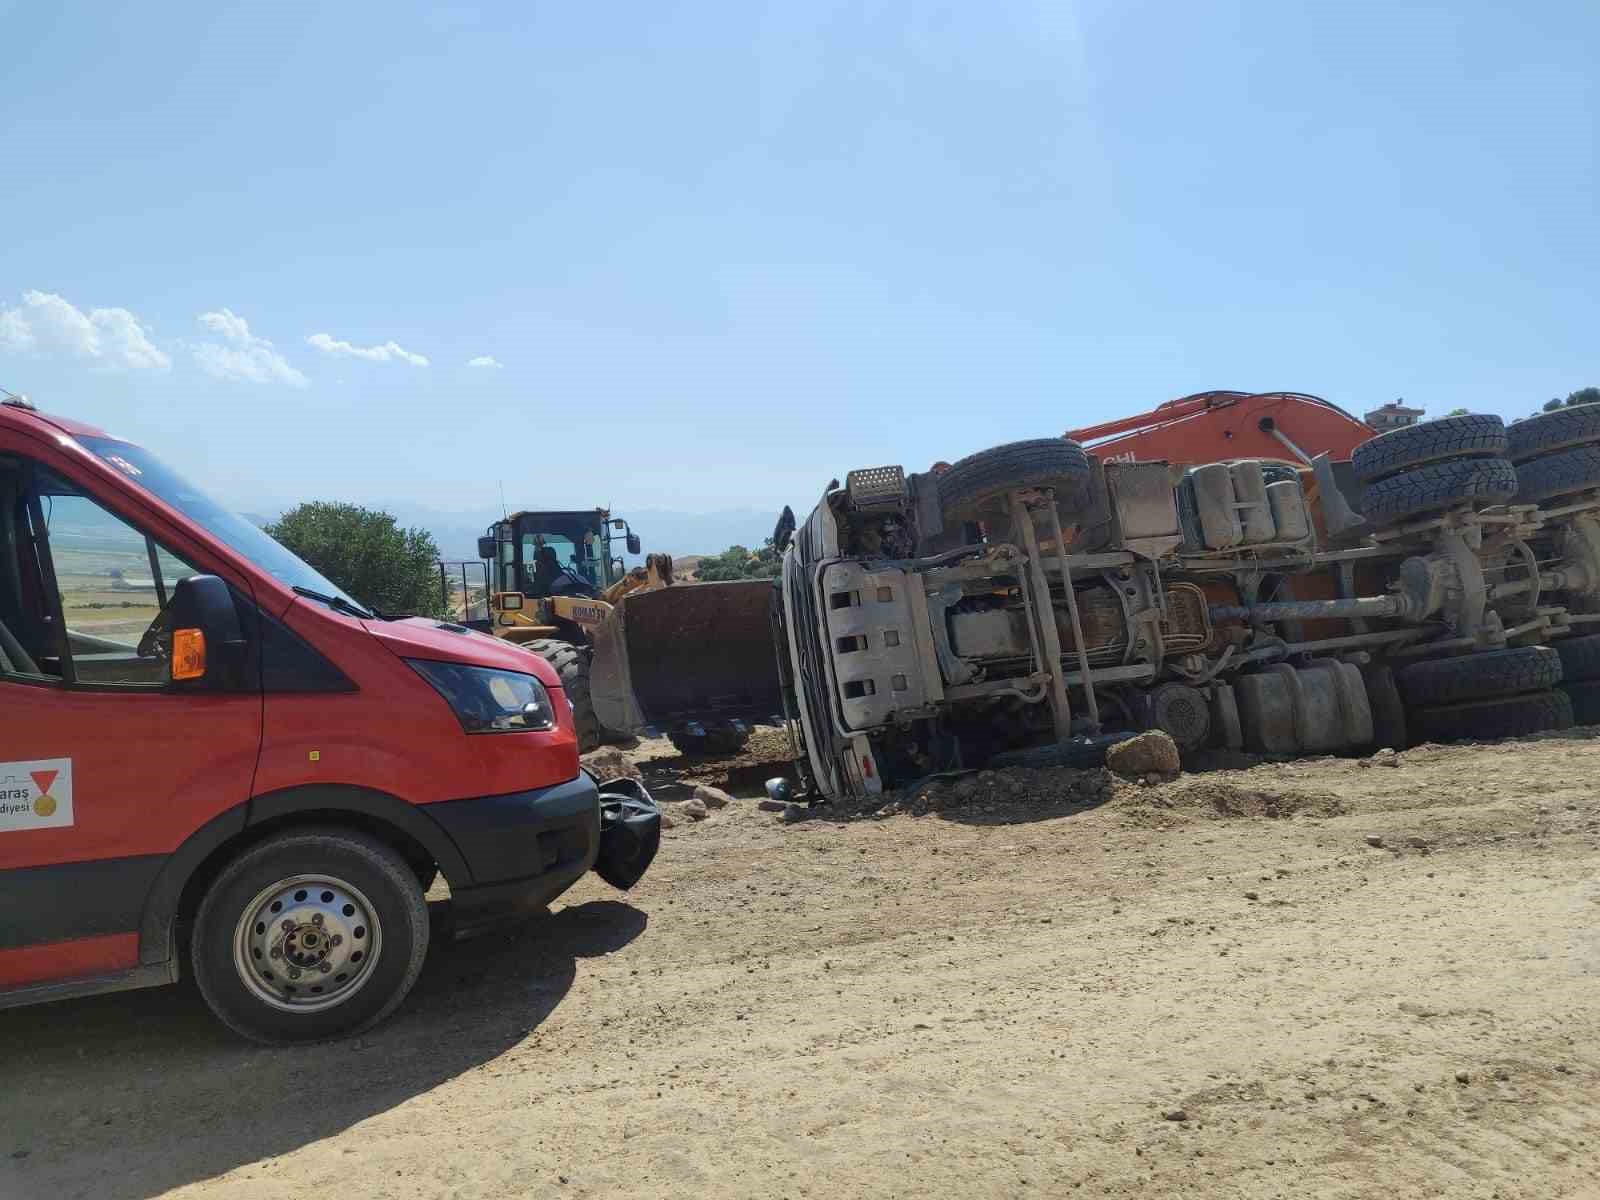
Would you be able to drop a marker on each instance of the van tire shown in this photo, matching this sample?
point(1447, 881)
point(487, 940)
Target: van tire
point(1474, 435)
point(967, 486)
point(571, 663)
point(374, 872)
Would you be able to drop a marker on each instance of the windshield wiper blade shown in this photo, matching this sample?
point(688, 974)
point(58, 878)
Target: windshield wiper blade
point(338, 603)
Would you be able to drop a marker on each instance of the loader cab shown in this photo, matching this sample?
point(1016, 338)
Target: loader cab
point(572, 553)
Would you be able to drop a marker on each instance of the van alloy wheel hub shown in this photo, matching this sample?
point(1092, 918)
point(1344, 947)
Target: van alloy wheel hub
point(306, 943)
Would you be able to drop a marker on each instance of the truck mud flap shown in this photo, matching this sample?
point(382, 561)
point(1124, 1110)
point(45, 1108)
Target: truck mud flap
point(690, 652)
point(630, 833)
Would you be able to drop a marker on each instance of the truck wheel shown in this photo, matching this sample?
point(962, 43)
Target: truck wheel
point(1559, 474)
point(1039, 462)
point(1585, 699)
point(1438, 486)
point(1552, 431)
point(713, 743)
point(572, 664)
point(1388, 713)
point(1477, 435)
point(1486, 720)
point(310, 934)
point(1580, 658)
point(1479, 676)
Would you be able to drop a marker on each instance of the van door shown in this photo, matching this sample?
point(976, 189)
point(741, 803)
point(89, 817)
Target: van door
point(105, 766)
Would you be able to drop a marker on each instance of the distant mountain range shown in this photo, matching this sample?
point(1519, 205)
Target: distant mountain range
point(675, 533)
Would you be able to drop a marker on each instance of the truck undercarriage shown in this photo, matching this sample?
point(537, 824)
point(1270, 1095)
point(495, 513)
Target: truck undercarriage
point(1027, 602)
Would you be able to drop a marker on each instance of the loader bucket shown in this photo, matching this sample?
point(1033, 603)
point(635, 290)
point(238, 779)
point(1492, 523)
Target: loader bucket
point(689, 652)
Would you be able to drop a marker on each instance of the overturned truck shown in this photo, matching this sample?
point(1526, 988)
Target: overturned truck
point(1029, 603)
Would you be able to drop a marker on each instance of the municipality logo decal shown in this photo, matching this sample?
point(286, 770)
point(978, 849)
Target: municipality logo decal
point(45, 805)
point(35, 795)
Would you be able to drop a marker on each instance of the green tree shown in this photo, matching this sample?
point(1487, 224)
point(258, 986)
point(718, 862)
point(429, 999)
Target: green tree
point(736, 562)
point(1588, 395)
point(1457, 412)
point(367, 554)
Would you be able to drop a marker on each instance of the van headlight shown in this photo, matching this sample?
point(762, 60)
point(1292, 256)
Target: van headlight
point(489, 701)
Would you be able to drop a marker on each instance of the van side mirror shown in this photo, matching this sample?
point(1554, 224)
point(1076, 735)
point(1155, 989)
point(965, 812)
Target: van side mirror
point(488, 548)
point(634, 545)
point(207, 643)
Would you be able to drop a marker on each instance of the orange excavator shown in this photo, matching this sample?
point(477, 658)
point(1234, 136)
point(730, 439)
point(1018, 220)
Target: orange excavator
point(1218, 426)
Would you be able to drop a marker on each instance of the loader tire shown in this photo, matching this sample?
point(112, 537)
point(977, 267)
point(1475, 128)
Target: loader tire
point(572, 664)
point(1560, 474)
point(1585, 697)
point(1474, 436)
point(1486, 720)
point(1480, 676)
point(1553, 431)
point(1388, 712)
point(979, 478)
point(1580, 658)
point(1438, 486)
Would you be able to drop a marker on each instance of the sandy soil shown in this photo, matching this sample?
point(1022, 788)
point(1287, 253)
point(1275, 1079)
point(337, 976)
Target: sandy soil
point(1209, 987)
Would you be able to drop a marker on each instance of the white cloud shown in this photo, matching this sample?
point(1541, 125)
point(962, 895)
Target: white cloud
point(242, 355)
point(112, 336)
point(388, 352)
point(485, 360)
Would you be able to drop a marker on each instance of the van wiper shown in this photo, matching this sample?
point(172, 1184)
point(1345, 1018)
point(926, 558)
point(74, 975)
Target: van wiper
point(337, 603)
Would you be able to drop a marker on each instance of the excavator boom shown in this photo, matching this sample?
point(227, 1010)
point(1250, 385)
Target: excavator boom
point(1218, 426)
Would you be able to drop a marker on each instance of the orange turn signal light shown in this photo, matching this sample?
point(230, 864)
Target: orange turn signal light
point(188, 654)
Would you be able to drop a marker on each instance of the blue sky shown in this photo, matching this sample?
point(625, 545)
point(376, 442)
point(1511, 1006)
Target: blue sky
point(722, 252)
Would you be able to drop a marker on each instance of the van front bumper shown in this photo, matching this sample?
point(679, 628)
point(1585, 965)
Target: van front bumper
point(523, 848)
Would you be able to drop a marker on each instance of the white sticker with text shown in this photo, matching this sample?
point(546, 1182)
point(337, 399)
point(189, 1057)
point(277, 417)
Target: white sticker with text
point(35, 795)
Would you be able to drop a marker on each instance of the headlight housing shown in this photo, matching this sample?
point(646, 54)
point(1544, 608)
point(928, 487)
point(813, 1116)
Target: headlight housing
point(489, 701)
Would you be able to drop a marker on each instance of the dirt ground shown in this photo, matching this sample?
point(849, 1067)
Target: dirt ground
point(1326, 978)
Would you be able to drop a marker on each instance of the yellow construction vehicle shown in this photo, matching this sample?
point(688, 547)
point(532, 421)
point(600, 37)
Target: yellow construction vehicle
point(555, 583)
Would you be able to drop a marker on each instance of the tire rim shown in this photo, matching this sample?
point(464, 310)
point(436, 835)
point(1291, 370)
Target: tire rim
point(306, 943)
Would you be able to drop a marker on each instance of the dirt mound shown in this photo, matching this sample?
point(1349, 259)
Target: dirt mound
point(982, 791)
point(1218, 799)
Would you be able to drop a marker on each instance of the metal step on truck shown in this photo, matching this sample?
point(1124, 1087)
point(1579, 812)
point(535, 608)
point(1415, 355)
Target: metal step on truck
point(1029, 603)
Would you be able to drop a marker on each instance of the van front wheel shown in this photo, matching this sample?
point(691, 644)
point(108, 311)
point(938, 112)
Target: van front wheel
point(310, 934)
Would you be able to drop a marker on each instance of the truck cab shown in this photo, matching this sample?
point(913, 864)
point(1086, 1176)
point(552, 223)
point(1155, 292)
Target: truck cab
point(212, 757)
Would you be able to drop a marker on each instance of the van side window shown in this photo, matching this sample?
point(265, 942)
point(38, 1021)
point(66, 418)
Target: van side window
point(113, 583)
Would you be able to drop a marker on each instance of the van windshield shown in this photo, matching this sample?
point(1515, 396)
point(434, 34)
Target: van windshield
point(149, 472)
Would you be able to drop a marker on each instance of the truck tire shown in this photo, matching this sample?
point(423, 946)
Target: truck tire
point(1479, 676)
point(1388, 712)
point(1552, 431)
point(360, 933)
point(572, 664)
point(1585, 698)
point(1438, 486)
point(1580, 658)
point(1039, 462)
point(1079, 753)
point(716, 742)
point(1559, 474)
point(1486, 720)
point(1474, 436)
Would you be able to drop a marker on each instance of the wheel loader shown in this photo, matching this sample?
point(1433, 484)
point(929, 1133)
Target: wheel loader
point(552, 581)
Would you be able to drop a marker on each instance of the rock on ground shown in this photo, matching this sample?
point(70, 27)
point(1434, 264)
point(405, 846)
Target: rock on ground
point(1150, 753)
point(712, 797)
point(608, 762)
point(694, 809)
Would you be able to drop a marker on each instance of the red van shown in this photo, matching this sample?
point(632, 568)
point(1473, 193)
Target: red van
point(207, 747)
